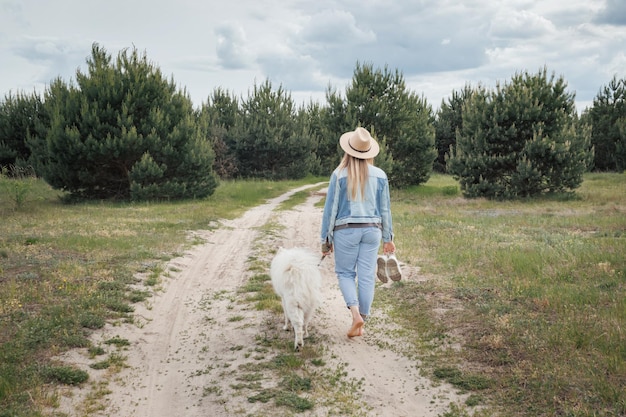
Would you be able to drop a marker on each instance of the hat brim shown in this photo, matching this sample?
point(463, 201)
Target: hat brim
point(344, 142)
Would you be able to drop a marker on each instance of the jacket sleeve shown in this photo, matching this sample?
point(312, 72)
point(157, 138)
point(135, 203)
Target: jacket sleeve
point(385, 211)
point(330, 211)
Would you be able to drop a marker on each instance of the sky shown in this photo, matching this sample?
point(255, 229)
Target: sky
point(307, 46)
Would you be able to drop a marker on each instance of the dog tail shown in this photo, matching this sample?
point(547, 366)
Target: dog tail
point(300, 274)
point(306, 282)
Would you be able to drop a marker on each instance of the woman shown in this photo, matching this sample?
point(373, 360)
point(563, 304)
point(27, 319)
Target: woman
point(357, 214)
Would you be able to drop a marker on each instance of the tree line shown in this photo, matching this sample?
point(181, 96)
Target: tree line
point(122, 130)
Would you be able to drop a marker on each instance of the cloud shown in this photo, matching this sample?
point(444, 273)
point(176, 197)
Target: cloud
point(292, 71)
point(613, 13)
point(407, 37)
point(330, 38)
point(53, 57)
point(427, 37)
point(522, 24)
point(231, 47)
point(438, 45)
point(14, 16)
point(336, 26)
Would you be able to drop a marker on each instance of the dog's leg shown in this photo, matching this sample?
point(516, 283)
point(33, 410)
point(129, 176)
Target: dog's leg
point(307, 319)
point(299, 340)
point(286, 325)
point(297, 321)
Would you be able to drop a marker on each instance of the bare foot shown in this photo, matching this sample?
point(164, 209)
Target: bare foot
point(356, 329)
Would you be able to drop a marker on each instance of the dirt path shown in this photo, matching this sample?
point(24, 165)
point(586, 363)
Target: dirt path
point(188, 341)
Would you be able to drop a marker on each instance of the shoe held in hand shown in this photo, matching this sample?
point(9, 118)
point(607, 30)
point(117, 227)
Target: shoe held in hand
point(388, 268)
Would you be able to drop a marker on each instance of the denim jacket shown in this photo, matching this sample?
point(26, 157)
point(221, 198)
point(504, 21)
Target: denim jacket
point(374, 208)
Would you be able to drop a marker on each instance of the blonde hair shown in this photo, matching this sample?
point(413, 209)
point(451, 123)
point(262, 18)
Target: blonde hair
point(357, 175)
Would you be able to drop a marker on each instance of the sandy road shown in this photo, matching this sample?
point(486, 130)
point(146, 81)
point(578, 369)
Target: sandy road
point(189, 339)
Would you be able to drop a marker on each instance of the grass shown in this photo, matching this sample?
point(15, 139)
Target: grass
point(534, 291)
point(297, 198)
point(289, 382)
point(520, 304)
point(66, 269)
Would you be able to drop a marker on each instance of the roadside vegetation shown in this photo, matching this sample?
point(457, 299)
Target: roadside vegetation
point(304, 379)
point(66, 269)
point(521, 303)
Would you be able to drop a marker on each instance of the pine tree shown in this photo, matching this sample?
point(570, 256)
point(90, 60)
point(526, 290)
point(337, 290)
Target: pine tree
point(448, 121)
point(311, 119)
point(520, 140)
point(21, 116)
point(608, 120)
point(378, 100)
point(221, 117)
point(335, 121)
point(123, 131)
point(270, 143)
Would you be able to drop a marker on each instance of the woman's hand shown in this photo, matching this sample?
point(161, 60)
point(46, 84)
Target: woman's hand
point(327, 248)
point(389, 247)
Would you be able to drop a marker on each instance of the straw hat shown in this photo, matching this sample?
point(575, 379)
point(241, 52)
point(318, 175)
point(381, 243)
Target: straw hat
point(359, 143)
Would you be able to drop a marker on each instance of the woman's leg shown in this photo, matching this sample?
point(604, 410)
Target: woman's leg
point(346, 247)
point(366, 268)
point(357, 322)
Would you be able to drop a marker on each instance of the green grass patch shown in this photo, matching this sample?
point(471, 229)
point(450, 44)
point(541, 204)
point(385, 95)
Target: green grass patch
point(532, 291)
point(462, 380)
point(117, 341)
point(115, 360)
point(66, 269)
point(525, 301)
point(293, 401)
point(260, 292)
point(300, 197)
point(67, 375)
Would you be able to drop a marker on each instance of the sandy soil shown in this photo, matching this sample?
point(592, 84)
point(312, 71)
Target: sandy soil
point(189, 340)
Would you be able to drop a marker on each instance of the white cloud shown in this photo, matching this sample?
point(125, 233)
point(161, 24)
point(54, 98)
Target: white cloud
point(520, 24)
point(47, 58)
point(231, 47)
point(617, 65)
point(438, 45)
point(333, 26)
point(613, 12)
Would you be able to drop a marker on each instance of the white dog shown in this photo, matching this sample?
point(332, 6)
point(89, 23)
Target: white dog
point(297, 280)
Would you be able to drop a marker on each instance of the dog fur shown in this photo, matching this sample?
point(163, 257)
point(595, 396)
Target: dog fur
point(297, 280)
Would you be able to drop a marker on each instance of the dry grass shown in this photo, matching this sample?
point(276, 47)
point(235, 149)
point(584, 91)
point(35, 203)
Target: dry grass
point(524, 302)
point(65, 269)
point(533, 292)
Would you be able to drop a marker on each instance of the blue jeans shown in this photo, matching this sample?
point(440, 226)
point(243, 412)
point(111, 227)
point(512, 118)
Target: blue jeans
point(356, 251)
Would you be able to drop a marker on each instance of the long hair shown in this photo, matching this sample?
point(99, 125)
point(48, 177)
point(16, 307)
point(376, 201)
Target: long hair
point(357, 175)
